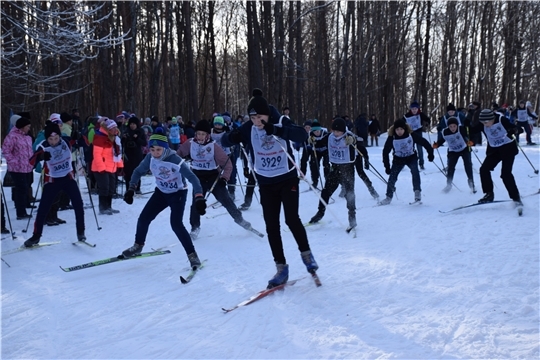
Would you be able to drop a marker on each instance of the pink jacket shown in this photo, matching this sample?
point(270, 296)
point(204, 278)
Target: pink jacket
point(17, 149)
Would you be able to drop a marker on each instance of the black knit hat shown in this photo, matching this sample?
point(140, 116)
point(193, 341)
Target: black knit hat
point(65, 117)
point(486, 115)
point(134, 120)
point(258, 104)
point(339, 125)
point(52, 128)
point(22, 122)
point(400, 123)
point(452, 120)
point(450, 107)
point(308, 123)
point(203, 125)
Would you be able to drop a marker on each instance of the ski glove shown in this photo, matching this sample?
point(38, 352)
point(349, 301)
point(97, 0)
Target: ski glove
point(47, 156)
point(128, 196)
point(269, 128)
point(431, 157)
point(435, 145)
point(366, 163)
point(387, 169)
point(312, 140)
point(246, 172)
point(235, 136)
point(200, 204)
point(350, 140)
point(222, 182)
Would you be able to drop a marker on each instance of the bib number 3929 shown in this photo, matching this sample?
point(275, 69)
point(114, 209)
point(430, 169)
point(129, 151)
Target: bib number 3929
point(272, 161)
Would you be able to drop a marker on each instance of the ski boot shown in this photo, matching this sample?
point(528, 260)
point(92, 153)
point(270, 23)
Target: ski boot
point(81, 237)
point(488, 197)
point(417, 196)
point(373, 192)
point(135, 250)
point(195, 233)
point(309, 261)
point(447, 188)
point(34, 240)
point(386, 201)
point(281, 276)
point(318, 216)
point(471, 186)
point(194, 261)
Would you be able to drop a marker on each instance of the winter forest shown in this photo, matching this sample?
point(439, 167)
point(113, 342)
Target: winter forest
point(319, 58)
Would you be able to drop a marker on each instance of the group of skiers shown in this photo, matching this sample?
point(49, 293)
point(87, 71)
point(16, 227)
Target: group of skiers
point(265, 141)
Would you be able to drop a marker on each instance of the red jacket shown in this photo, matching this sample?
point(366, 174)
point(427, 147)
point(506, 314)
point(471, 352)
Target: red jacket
point(104, 150)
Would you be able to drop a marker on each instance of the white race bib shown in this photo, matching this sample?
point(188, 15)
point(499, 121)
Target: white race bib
point(60, 163)
point(203, 156)
point(167, 174)
point(270, 160)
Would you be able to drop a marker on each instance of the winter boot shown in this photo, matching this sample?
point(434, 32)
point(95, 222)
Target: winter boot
point(417, 195)
point(51, 219)
point(318, 216)
point(447, 188)
point(471, 186)
point(488, 197)
point(5, 230)
point(81, 237)
point(194, 234)
point(231, 192)
point(194, 261)
point(373, 192)
point(386, 201)
point(104, 205)
point(109, 202)
point(281, 277)
point(135, 250)
point(34, 240)
point(246, 204)
point(309, 261)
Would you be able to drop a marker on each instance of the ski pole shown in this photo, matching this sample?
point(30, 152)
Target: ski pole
point(13, 237)
point(5, 262)
point(217, 178)
point(318, 166)
point(252, 170)
point(377, 174)
point(445, 175)
point(40, 184)
point(91, 200)
point(526, 157)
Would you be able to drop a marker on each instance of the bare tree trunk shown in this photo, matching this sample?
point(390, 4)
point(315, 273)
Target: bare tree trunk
point(193, 110)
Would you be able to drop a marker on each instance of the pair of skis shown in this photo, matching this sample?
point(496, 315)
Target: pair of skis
point(42, 244)
point(266, 292)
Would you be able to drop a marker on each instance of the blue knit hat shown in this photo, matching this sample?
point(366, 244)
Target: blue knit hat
point(158, 138)
point(414, 104)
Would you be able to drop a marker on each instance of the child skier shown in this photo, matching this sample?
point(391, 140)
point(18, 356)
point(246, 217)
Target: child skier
point(171, 173)
point(268, 137)
point(342, 155)
point(401, 139)
point(458, 146)
point(319, 141)
point(502, 147)
point(58, 176)
point(207, 159)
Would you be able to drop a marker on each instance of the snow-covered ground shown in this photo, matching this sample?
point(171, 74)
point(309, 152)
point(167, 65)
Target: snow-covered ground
point(414, 283)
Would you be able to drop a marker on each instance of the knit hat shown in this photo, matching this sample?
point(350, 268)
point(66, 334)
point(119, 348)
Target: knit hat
point(450, 107)
point(227, 119)
point(400, 123)
point(22, 122)
point(308, 123)
point(134, 120)
point(55, 118)
point(174, 121)
point(52, 128)
point(218, 120)
point(315, 125)
point(486, 115)
point(339, 125)
point(158, 138)
point(452, 120)
point(203, 125)
point(65, 117)
point(258, 104)
point(109, 124)
point(414, 104)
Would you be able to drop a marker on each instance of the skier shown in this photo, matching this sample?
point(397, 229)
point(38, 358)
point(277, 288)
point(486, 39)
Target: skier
point(318, 139)
point(268, 137)
point(58, 176)
point(374, 129)
point(342, 156)
point(523, 114)
point(459, 145)
point(207, 159)
point(171, 173)
point(416, 120)
point(401, 139)
point(443, 120)
point(502, 147)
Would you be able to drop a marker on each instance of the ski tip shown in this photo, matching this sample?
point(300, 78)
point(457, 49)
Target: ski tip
point(182, 280)
point(64, 270)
